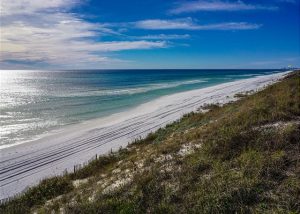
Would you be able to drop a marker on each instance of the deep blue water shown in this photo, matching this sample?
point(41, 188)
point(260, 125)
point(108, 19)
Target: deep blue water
point(34, 102)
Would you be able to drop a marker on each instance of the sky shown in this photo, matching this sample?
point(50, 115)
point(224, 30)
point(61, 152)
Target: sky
point(149, 34)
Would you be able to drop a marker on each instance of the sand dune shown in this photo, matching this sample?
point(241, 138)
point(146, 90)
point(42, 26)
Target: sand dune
point(26, 164)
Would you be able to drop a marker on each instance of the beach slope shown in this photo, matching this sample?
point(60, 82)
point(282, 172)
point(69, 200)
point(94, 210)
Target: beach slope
point(25, 165)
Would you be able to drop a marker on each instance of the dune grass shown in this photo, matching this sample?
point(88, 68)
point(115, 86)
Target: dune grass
point(243, 157)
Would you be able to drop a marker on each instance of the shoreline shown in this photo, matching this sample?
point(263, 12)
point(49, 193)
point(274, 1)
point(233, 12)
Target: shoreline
point(25, 164)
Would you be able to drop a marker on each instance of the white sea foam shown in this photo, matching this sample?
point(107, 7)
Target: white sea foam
point(136, 90)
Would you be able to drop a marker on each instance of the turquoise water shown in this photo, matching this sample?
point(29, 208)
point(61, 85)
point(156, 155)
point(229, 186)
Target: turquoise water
point(35, 102)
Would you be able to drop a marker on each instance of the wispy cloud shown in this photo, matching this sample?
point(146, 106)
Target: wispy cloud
point(27, 7)
point(44, 31)
point(163, 37)
point(190, 24)
point(216, 5)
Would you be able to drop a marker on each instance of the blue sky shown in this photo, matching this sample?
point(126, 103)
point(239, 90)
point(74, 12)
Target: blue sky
point(74, 34)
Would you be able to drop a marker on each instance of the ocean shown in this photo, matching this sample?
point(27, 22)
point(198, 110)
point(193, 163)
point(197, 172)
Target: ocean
point(33, 103)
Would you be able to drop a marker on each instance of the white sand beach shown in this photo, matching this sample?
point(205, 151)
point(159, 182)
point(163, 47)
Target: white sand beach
point(24, 165)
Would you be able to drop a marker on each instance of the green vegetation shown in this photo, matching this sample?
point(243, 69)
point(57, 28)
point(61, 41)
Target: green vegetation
point(243, 157)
